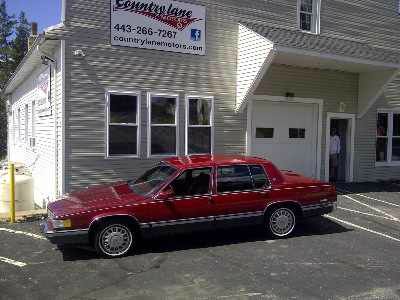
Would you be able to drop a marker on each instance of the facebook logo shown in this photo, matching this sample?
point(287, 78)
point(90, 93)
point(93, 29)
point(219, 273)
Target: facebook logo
point(195, 35)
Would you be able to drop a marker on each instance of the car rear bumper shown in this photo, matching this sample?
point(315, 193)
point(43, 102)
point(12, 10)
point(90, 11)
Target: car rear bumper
point(65, 237)
point(319, 209)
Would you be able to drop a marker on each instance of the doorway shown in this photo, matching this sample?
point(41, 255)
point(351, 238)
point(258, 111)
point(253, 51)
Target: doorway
point(339, 167)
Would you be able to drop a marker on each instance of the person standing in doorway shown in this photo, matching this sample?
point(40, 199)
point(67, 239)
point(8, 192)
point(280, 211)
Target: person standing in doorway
point(334, 152)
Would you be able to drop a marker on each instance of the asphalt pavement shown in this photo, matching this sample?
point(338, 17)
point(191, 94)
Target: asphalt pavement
point(353, 253)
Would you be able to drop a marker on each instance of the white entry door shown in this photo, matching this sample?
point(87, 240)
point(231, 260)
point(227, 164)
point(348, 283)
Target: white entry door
point(286, 134)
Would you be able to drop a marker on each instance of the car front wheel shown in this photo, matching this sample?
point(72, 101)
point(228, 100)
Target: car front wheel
point(281, 221)
point(114, 240)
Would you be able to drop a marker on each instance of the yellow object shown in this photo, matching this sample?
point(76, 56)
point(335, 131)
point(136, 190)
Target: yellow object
point(12, 192)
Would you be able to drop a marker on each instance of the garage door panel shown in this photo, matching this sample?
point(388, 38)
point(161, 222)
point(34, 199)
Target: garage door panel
point(299, 153)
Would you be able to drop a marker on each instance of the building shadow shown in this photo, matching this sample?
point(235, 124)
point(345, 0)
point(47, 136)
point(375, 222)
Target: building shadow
point(212, 238)
point(368, 187)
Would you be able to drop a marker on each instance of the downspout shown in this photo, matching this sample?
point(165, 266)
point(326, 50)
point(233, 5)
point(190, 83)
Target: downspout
point(53, 63)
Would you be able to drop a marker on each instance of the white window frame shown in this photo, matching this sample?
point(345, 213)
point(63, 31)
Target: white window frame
point(187, 99)
point(33, 117)
point(137, 124)
point(19, 123)
point(149, 124)
point(389, 137)
point(26, 124)
point(315, 17)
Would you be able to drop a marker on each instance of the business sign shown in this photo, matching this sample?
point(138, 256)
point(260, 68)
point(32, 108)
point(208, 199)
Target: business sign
point(160, 25)
point(43, 90)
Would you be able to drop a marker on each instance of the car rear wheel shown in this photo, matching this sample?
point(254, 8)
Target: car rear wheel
point(281, 221)
point(114, 240)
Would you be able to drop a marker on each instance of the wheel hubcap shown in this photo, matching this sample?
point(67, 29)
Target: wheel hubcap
point(282, 221)
point(115, 240)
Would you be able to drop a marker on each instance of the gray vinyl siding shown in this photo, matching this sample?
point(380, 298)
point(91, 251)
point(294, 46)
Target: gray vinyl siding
point(128, 69)
point(332, 87)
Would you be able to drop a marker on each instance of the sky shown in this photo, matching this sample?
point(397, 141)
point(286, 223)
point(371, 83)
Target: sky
point(44, 12)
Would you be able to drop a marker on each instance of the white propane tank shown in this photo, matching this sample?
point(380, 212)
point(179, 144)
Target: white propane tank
point(23, 193)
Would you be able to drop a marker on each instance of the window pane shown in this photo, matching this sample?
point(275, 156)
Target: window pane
point(396, 124)
point(234, 178)
point(199, 140)
point(192, 182)
point(123, 109)
point(381, 149)
point(382, 124)
point(306, 5)
point(199, 112)
point(122, 140)
point(163, 110)
point(396, 149)
point(163, 140)
point(305, 22)
point(297, 133)
point(264, 133)
point(259, 177)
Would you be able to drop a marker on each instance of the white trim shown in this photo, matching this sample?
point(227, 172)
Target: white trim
point(319, 102)
point(63, 120)
point(343, 58)
point(352, 119)
point(149, 124)
point(390, 137)
point(187, 98)
point(379, 94)
point(137, 124)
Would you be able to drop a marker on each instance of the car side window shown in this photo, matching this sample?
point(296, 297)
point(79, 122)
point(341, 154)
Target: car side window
point(234, 178)
point(192, 182)
point(259, 177)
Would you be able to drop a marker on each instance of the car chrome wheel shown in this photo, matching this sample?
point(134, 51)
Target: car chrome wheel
point(282, 221)
point(115, 240)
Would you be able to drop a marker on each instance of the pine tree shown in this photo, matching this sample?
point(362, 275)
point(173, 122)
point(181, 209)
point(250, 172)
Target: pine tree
point(7, 24)
point(20, 42)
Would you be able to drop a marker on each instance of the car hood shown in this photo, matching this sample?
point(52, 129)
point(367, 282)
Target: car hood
point(94, 197)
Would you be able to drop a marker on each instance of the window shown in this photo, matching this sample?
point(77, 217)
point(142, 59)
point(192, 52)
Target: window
point(234, 178)
point(297, 133)
point(259, 178)
point(26, 121)
point(309, 15)
point(193, 182)
point(264, 133)
point(33, 116)
point(199, 115)
point(19, 124)
point(162, 126)
point(388, 137)
point(14, 126)
point(123, 120)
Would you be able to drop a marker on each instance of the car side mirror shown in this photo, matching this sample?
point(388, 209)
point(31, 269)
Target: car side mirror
point(166, 193)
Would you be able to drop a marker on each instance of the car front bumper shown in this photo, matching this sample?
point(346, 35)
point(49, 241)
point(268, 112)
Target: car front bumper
point(65, 237)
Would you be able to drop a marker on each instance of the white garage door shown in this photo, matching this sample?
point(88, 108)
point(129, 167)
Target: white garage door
point(286, 133)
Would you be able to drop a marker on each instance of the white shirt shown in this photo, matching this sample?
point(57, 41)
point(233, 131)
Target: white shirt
point(335, 145)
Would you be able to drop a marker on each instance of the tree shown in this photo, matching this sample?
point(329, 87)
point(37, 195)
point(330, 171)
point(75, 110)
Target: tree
point(20, 42)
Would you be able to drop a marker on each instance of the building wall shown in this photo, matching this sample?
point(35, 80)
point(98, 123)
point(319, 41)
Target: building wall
point(40, 160)
point(128, 69)
point(332, 87)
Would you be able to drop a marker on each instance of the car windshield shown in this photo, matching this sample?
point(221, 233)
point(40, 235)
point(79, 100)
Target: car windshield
point(151, 179)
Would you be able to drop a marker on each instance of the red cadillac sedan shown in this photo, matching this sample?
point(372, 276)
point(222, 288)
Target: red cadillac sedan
point(186, 194)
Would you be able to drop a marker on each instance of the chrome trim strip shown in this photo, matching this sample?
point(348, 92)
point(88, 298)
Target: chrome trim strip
point(63, 232)
point(202, 219)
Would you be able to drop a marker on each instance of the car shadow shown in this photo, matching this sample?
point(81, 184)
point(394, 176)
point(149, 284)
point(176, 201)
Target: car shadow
point(212, 238)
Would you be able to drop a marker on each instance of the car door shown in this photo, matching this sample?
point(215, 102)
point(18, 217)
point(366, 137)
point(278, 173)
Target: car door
point(190, 203)
point(240, 194)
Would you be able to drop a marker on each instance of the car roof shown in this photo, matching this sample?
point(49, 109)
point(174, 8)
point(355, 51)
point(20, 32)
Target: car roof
point(196, 161)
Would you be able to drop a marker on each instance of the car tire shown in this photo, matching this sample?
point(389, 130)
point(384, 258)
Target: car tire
point(114, 239)
point(280, 222)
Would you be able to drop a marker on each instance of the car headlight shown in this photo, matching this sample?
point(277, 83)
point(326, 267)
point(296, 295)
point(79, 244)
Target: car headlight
point(61, 224)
